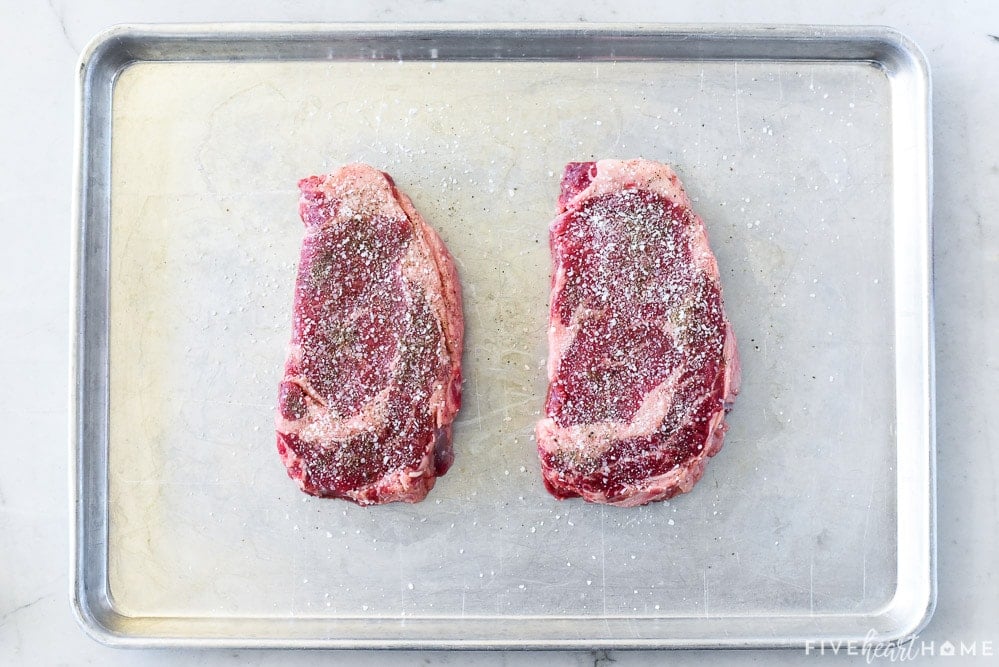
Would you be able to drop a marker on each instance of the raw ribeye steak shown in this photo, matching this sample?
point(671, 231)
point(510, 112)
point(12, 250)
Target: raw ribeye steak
point(642, 362)
point(372, 381)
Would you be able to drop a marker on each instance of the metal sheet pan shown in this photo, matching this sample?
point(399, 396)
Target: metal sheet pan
point(806, 150)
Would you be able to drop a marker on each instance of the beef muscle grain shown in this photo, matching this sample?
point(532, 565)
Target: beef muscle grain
point(372, 380)
point(642, 363)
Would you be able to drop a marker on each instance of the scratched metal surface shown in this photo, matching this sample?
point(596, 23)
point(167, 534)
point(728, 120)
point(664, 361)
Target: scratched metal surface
point(790, 163)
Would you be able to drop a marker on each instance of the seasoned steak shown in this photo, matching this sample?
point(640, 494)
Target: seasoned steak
point(642, 362)
point(372, 380)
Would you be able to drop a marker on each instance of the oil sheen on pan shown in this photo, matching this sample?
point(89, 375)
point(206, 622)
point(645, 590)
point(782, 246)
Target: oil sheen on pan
point(372, 381)
point(642, 362)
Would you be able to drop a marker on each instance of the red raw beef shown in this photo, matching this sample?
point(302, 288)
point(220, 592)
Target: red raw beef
point(372, 381)
point(642, 362)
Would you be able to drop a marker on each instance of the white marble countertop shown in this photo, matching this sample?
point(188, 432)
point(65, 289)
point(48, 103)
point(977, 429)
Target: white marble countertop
point(39, 45)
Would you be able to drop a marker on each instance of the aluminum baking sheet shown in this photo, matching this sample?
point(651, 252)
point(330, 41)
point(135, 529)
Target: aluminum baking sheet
point(805, 150)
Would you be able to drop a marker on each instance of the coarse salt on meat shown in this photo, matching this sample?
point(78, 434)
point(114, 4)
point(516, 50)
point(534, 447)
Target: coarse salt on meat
point(372, 381)
point(642, 362)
